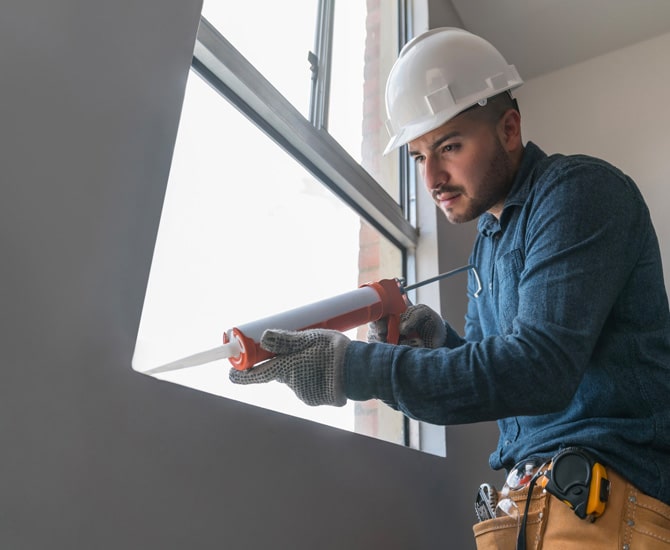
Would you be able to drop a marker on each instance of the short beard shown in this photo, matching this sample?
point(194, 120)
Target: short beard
point(495, 186)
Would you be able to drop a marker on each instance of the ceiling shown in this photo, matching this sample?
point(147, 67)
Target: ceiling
point(540, 36)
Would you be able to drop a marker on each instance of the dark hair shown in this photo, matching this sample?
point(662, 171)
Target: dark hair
point(503, 102)
point(494, 109)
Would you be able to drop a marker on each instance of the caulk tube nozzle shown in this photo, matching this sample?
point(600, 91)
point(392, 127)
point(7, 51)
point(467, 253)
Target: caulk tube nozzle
point(226, 351)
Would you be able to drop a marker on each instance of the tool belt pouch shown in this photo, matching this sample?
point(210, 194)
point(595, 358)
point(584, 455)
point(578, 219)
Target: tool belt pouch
point(573, 477)
point(502, 532)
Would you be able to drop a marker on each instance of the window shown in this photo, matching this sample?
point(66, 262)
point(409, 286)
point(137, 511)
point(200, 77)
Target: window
point(265, 211)
point(275, 42)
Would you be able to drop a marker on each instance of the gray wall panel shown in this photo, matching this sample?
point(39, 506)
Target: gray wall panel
point(93, 454)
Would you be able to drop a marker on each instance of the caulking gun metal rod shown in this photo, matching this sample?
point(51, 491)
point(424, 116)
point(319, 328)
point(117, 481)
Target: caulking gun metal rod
point(438, 277)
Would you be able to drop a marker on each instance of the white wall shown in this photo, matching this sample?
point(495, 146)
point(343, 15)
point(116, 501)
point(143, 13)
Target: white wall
point(616, 107)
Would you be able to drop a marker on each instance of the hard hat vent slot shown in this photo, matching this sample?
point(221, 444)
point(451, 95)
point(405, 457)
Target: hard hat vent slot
point(440, 100)
point(497, 82)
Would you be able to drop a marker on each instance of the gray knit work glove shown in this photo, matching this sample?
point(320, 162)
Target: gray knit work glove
point(420, 327)
point(378, 331)
point(310, 362)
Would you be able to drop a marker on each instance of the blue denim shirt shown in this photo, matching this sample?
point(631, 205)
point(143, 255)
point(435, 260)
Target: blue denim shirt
point(569, 341)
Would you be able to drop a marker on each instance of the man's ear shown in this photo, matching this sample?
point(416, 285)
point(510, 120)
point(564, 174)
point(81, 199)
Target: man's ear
point(509, 130)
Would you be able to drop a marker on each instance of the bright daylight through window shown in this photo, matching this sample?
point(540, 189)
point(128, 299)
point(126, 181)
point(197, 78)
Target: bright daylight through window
point(246, 230)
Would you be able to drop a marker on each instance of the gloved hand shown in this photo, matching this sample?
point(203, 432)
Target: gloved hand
point(310, 362)
point(378, 331)
point(419, 327)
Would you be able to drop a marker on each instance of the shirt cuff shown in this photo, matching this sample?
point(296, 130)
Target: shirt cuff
point(367, 371)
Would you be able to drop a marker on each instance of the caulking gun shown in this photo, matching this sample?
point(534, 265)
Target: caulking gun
point(370, 302)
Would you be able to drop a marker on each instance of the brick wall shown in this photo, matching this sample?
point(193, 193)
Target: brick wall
point(369, 259)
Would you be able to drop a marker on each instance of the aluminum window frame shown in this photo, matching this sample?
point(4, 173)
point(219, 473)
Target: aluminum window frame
point(227, 71)
point(320, 64)
point(224, 68)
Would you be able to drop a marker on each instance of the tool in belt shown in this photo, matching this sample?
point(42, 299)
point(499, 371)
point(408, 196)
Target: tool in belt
point(572, 475)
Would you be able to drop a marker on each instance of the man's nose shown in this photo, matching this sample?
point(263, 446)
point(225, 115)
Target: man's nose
point(434, 174)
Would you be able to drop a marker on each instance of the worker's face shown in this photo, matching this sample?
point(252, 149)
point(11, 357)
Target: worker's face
point(465, 167)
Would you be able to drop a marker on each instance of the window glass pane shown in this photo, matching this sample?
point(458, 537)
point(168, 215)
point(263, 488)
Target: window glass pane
point(365, 45)
point(275, 37)
point(246, 232)
point(347, 72)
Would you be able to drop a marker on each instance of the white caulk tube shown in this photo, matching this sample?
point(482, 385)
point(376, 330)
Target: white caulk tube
point(368, 303)
point(241, 344)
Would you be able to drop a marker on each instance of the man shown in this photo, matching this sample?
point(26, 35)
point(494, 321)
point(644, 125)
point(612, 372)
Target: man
point(567, 337)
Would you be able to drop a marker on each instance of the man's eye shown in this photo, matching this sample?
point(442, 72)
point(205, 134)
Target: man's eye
point(418, 159)
point(450, 148)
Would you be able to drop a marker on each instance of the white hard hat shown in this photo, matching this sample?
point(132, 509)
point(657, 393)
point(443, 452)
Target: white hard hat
point(439, 74)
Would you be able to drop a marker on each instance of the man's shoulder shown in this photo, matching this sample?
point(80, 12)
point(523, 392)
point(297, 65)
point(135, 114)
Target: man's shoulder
point(577, 166)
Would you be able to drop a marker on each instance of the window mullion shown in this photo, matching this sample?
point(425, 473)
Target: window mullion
point(406, 168)
point(320, 64)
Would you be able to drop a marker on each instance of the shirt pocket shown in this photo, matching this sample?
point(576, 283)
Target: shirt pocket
point(508, 273)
